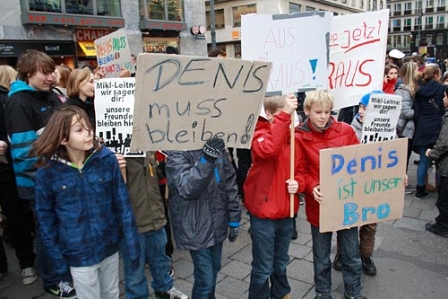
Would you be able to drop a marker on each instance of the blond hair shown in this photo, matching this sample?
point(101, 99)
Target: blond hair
point(272, 104)
point(318, 97)
point(7, 75)
point(75, 79)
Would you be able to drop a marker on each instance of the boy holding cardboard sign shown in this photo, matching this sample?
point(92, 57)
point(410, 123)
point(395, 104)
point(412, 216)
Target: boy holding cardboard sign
point(267, 198)
point(322, 131)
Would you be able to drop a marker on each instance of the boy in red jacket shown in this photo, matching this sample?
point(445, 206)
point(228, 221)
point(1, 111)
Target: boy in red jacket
point(267, 198)
point(322, 131)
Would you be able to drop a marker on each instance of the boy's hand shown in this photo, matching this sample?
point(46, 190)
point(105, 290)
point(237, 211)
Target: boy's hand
point(317, 195)
point(291, 104)
point(293, 186)
point(428, 153)
point(406, 182)
point(3, 147)
point(121, 160)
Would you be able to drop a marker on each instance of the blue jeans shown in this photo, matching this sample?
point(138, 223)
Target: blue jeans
point(423, 165)
point(351, 261)
point(270, 245)
point(207, 264)
point(152, 245)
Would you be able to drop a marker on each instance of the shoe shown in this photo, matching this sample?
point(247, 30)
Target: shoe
point(430, 188)
point(354, 297)
point(171, 273)
point(435, 229)
point(171, 294)
point(294, 235)
point(62, 290)
point(421, 193)
point(368, 266)
point(409, 190)
point(337, 263)
point(28, 275)
point(287, 296)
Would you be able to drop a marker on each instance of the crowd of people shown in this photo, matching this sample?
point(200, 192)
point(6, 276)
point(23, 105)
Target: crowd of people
point(82, 205)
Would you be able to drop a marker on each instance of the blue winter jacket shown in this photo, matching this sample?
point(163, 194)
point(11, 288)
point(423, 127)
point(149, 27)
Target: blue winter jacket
point(82, 214)
point(203, 199)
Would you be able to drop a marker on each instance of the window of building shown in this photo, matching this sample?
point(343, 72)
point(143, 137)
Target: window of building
point(167, 10)
point(429, 21)
point(237, 49)
point(428, 38)
point(396, 25)
point(397, 9)
point(294, 7)
point(429, 5)
point(159, 44)
point(439, 39)
point(242, 10)
point(397, 41)
point(344, 1)
point(354, 3)
point(440, 22)
point(111, 8)
point(361, 4)
point(408, 8)
point(441, 5)
point(309, 8)
point(219, 19)
point(407, 24)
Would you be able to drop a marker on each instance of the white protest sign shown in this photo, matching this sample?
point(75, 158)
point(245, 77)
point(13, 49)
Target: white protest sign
point(113, 53)
point(381, 118)
point(362, 184)
point(182, 101)
point(296, 44)
point(114, 111)
point(357, 55)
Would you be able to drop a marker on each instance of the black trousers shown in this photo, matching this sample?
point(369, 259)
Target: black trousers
point(442, 204)
point(20, 221)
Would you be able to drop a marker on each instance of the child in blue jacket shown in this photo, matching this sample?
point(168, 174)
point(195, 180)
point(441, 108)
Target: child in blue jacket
point(82, 204)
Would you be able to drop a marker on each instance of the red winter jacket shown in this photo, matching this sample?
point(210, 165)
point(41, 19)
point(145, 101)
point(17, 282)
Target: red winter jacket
point(309, 143)
point(265, 190)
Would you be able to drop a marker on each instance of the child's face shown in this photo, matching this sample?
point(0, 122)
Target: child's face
point(361, 112)
point(41, 81)
point(319, 115)
point(87, 88)
point(392, 74)
point(81, 138)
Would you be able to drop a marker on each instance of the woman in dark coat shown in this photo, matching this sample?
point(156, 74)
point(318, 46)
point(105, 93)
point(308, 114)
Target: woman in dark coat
point(428, 111)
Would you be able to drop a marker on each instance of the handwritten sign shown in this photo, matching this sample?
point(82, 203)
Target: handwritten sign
point(381, 118)
point(299, 55)
point(114, 110)
point(362, 184)
point(182, 101)
point(357, 53)
point(113, 53)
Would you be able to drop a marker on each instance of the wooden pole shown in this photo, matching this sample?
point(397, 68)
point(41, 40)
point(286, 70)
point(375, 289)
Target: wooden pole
point(291, 168)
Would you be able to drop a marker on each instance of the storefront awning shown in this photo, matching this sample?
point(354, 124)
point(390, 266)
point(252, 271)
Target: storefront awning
point(88, 48)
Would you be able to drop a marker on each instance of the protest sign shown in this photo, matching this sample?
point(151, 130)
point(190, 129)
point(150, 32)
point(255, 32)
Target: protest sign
point(381, 117)
point(114, 111)
point(357, 54)
point(182, 101)
point(299, 55)
point(362, 184)
point(113, 53)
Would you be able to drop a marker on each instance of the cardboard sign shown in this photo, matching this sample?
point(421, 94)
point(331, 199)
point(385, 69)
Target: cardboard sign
point(182, 101)
point(299, 55)
point(113, 53)
point(362, 184)
point(114, 111)
point(380, 120)
point(357, 54)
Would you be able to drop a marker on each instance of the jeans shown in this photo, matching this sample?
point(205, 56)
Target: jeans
point(97, 281)
point(270, 245)
point(152, 245)
point(423, 165)
point(207, 264)
point(351, 261)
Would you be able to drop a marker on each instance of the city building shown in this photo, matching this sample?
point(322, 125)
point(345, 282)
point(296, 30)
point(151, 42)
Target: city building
point(228, 15)
point(66, 29)
point(419, 26)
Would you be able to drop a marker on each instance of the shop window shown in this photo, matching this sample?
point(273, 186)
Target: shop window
point(237, 49)
point(242, 10)
point(45, 5)
point(159, 44)
point(219, 19)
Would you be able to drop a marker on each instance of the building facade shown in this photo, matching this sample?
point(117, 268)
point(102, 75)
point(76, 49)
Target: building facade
point(419, 26)
point(66, 29)
point(228, 15)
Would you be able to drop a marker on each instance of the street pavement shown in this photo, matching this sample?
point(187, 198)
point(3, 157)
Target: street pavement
point(412, 263)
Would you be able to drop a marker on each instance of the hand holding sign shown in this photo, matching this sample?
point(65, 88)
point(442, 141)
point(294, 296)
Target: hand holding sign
point(291, 104)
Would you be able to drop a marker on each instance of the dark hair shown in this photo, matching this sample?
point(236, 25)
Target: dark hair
point(32, 61)
point(171, 50)
point(215, 52)
point(57, 130)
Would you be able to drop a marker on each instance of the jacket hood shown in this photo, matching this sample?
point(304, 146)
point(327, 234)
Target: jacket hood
point(93, 155)
point(17, 86)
